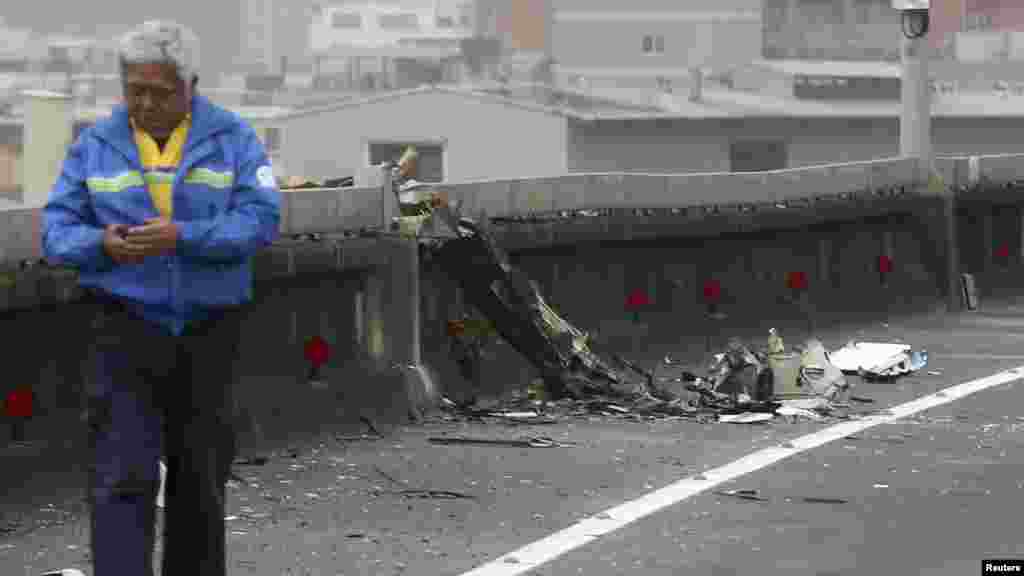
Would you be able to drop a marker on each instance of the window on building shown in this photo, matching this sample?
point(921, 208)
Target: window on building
point(973, 22)
point(346, 20)
point(401, 21)
point(869, 11)
point(758, 155)
point(822, 11)
point(653, 44)
point(429, 164)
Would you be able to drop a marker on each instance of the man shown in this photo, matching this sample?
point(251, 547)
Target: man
point(160, 208)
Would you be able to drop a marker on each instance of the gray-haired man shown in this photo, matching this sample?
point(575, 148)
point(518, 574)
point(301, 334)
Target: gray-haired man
point(160, 207)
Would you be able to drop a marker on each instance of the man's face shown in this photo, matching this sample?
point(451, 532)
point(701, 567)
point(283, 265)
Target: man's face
point(156, 98)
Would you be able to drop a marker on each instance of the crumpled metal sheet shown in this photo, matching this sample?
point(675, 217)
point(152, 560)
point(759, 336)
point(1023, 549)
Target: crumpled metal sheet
point(818, 372)
point(882, 360)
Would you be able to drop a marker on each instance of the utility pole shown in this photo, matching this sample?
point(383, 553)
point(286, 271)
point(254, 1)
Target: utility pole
point(939, 208)
point(915, 119)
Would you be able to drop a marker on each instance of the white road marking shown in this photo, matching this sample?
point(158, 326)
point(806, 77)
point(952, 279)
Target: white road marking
point(590, 529)
point(978, 356)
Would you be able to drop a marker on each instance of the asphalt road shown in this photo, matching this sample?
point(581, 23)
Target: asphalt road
point(933, 494)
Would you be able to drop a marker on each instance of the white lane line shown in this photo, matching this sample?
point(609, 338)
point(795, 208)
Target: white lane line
point(978, 356)
point(589, 529)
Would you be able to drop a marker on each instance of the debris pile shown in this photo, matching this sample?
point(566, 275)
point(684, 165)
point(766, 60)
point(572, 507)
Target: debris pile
point(579, 377)
point(741, 386)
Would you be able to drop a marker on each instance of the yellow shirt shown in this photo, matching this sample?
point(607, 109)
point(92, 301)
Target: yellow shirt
point(160, 166)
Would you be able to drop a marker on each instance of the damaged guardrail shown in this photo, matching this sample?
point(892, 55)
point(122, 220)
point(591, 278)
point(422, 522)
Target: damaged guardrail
point(368, 210)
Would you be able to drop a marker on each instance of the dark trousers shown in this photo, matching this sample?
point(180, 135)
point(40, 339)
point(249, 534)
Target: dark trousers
point(152, 394)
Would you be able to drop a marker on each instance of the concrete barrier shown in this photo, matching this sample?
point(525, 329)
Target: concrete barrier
point(355, 292)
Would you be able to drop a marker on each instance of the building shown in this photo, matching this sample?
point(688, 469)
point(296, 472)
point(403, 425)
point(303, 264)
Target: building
point(606, 43)
point(217, 24)
point(460, 136)
point(965, 30)
point(370, 46)
point(614, 43)
point(495, 132)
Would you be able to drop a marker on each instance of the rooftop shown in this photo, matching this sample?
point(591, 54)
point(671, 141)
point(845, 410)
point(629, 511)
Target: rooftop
point(715, 103)
point(842, 68)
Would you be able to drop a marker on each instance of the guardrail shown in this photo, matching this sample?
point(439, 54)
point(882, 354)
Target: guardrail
point(604, 191)
point(327, 210)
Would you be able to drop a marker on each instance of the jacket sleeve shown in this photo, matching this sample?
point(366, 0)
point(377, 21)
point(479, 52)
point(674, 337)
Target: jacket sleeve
point(253, 215)
point(71, 234)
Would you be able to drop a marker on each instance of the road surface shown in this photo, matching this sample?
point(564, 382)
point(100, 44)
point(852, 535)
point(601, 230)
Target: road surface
point(933, 493)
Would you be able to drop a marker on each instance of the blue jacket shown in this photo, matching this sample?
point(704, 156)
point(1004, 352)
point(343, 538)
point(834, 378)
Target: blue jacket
point(226, 205)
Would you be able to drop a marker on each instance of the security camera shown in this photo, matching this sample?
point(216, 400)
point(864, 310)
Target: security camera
point(914, 16)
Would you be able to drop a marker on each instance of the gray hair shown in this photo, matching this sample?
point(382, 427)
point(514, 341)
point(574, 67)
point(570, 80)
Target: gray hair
point(162, 42)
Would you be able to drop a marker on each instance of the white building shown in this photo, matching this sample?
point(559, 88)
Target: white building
point(372, 45)
point(465, 134)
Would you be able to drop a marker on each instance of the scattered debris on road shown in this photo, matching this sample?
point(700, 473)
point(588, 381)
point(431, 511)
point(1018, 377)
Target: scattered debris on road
point(741, 386)
point(576, 367)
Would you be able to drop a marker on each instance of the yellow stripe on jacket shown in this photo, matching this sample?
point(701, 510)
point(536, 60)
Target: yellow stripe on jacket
point(160, 166)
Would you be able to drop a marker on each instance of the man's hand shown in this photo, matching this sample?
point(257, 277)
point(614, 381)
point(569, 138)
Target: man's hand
point(157, 237)
point(118, 248)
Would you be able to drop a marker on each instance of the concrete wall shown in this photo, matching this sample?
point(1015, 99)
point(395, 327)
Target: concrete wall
point(976, 136)
point(483, 140)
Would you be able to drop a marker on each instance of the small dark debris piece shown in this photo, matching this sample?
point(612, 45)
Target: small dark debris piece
point(862, 399)
point(369, 425)
point(742, 494)
point(357, 437)
point(255, 461)
point(439, 494)
point(818, 500)
point(389, 477)
point(525, 443)
point(892, 440)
